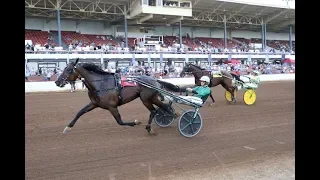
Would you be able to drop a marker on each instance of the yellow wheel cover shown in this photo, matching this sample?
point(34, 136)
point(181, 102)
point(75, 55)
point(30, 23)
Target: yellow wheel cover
point(227, 95)
point(249, 97)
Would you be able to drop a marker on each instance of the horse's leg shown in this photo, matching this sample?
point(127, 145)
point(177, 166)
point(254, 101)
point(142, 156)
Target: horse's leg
point(84, 110)
point(165, 107)
point(73, 87)
point(161, 97)
point(231, 89)
point(153, 112)
point(213, 101)
point(115, 113)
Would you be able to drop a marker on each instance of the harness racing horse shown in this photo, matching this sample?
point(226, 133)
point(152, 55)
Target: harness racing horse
point(106, 91)
point(225, 79)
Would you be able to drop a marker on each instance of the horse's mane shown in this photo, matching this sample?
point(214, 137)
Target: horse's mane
point(94, 68)
point(198, 67)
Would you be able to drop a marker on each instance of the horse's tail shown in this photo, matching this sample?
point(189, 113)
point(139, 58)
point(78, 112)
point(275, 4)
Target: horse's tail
point(169, 86)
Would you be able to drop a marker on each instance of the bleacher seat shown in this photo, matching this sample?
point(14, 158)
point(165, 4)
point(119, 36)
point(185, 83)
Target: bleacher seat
point(37, 36)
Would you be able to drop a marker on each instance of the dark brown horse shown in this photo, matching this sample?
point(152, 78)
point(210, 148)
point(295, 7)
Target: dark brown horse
point(105, 91)
point(225, 80)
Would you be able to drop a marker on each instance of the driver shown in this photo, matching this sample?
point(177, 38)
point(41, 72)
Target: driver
point(255, 80)
point(236, 74)
point(201, 92)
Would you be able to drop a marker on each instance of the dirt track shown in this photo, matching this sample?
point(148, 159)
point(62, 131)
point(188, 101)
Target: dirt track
point(236, 141)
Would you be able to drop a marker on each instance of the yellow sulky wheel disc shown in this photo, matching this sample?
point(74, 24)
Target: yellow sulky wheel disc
point(227, 95)
point(249, 97)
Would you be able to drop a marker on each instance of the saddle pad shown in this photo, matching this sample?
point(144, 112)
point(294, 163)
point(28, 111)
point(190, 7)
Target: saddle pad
point(216, 75)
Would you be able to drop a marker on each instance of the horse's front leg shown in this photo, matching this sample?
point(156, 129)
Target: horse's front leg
point(72, 87)
point(84, 110)
point(213, 101)
point(115, 113)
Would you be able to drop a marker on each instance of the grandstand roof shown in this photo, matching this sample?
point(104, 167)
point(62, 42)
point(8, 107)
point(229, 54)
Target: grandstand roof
point(206, 13)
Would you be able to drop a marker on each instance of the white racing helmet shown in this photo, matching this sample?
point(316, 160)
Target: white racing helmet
point(205, 79)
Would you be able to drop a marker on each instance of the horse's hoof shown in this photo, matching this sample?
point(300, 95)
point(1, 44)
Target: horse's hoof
point(152, 132)
point(67, 129)
point(212, 104)
point(177, 114)
point(137, 122)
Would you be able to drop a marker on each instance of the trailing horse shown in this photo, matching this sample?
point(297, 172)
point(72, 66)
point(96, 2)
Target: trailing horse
point(72, 80)
point(106, 91)
point(225, 79)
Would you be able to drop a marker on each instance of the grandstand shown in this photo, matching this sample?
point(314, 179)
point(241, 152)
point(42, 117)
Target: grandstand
point(205, 24)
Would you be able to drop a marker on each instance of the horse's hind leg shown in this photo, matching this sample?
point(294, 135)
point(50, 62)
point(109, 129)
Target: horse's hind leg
point(84, 110)
point(161, 97)
point(115, 113)
point(153, 112)
point(163, 106)
point(231, 89)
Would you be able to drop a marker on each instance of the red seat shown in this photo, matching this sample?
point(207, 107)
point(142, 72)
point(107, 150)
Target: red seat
point(126, 83)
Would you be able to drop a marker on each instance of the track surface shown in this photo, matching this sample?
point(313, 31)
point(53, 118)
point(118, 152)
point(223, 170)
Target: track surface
point(236, 141)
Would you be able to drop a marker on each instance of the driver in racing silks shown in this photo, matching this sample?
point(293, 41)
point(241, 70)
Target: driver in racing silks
point(255, 79)
point(201, 92)
point(236, 74)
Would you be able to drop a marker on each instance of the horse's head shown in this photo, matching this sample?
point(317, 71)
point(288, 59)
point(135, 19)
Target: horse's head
point(66, 74)
point(185, 69)
point(188, 68)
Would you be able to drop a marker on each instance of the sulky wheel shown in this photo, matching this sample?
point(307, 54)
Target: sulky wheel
point(249, 97)
point(162, 118)
point(227, 95)
point(189, 127)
